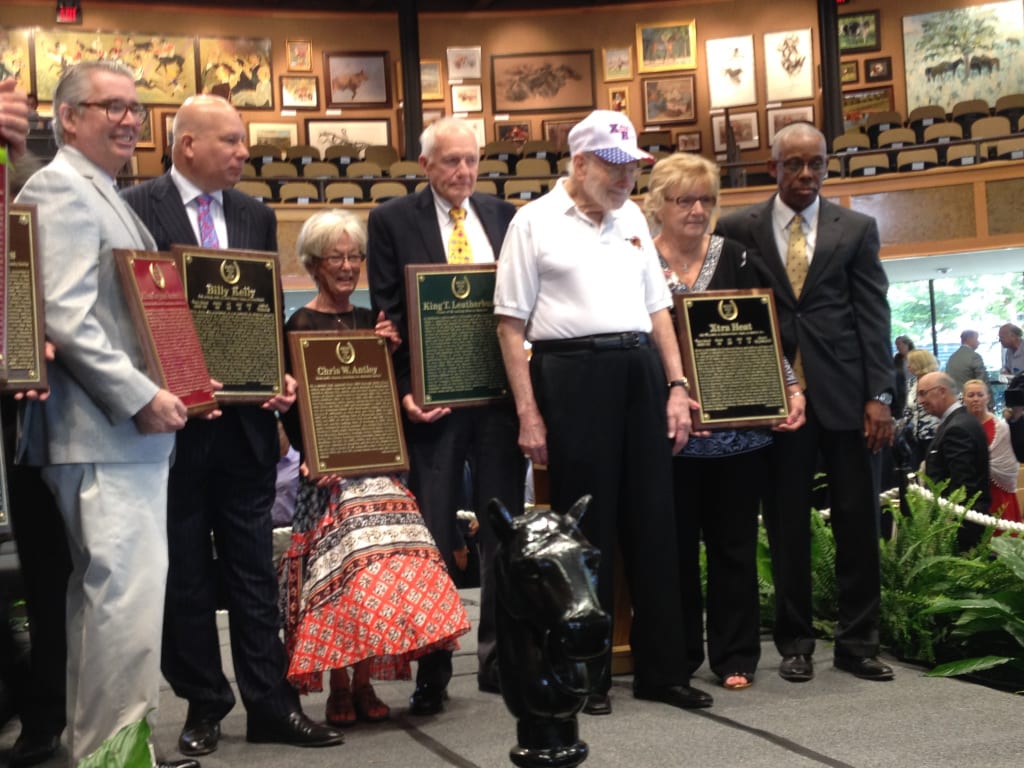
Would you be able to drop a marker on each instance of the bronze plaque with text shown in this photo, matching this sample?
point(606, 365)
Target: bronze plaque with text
point(731, 352)
point(453, 342)
point(235, 299)
point(26, 365)
point(348, 403)
point(156, 298)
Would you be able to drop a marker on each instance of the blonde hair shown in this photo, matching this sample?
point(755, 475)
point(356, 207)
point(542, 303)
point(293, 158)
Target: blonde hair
point(323, 229)
point(921, 361)
point(682, 171)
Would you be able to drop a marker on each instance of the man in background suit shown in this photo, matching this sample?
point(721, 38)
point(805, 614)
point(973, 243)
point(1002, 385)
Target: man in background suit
point(224, 472)
point(417, 229)
point(958, 452)
point(966, 364)
point(103, 437)
point(830, 294)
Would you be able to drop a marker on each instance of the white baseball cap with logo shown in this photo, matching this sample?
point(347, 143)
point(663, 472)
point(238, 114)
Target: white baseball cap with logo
point(609, 135)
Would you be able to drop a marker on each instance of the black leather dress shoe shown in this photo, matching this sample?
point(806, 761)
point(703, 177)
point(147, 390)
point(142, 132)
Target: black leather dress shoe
point(32, 749)
point(177, 764)
point(682, 696)
point(864, 667)
point(295, 729)
point(199, 737)
point(597, 704)
point(427, 700)
point(797, 669)
point(488, 682)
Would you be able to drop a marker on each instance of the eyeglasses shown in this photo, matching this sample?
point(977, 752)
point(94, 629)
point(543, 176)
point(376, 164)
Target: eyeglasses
point(686, 202)
point(117, 109)
point(795, 164)
point(352, 260)
point(922, 392)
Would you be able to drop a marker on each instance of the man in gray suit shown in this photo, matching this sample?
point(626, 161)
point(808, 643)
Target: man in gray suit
point(966, 364)
point(104, 436)
point(821, 261)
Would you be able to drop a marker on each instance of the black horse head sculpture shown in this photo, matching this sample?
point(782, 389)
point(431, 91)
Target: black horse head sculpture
point(553, 637)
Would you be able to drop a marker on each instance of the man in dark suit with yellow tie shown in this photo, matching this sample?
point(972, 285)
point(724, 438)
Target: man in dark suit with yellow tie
point(830, 293)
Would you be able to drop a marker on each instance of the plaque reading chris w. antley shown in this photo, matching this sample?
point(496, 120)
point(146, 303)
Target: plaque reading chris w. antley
point(453, 342)
point(235, 300)
point(729, 342)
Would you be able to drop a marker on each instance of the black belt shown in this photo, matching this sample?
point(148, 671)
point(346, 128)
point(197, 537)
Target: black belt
point(602, 342)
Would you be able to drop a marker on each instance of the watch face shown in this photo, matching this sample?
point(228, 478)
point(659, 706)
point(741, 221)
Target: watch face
point(885, 398)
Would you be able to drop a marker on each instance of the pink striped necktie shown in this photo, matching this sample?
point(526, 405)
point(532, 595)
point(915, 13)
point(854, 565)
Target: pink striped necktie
point(207, 232)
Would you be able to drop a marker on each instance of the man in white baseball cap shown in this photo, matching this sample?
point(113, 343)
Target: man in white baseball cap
point(603, 400)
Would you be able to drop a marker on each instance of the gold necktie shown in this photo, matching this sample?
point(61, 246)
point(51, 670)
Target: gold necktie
point(459, 251)
point(796, 270)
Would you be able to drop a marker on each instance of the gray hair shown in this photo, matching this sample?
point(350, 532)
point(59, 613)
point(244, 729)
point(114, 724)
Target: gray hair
point(445, 125)
point(966, 336)
point(73, 88)
point(681, 170)
point(322, 230)
point(792, 131)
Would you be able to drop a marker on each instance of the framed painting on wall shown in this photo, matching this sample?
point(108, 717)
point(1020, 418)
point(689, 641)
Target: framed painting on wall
point(878, 70)
point(16, 57)
point(505, 130)
point(464, 63)
point(670, 99)
point(618, 99)
point(479, 129)
point(731, 80)
point(146, 138)
point(744, 127)
point(778, 119)
point(323, 132)
point(789, 65)
point(238, 68)
point(299, 92)
point(356, 79)
point(858, 32)
point(848, 72)
point(430, 80)
point(167, 123)
point(281, 135)
point(543, 82)
point(857, 105)
point(467, 98)
point(557, 132)
point(299, 54)
point(617, 63)
point(688, 141)
point(665, 46)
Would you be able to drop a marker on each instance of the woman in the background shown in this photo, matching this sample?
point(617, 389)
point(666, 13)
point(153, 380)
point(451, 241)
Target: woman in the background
point(363, 585)
point(917, 423)
point(1002, 463)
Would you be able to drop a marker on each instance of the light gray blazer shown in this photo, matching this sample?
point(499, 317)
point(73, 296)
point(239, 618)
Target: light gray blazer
point(98, 381)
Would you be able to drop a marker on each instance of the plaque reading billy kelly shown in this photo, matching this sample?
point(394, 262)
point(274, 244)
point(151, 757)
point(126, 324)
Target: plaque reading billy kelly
point(235, 300)
point(453, 342)
point(729, 341)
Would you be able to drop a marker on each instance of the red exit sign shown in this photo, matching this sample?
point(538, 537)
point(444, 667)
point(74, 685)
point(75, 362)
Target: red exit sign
point(69, 11)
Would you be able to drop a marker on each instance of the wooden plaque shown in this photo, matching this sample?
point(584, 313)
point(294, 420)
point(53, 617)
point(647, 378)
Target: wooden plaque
point(348, 403)
point(453, 341)
point(235, 300)
point(26, 332)
point(156, 298)
point(731, 350)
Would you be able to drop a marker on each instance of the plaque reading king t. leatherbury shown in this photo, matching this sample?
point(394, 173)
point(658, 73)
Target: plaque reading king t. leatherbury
point(729, 342)
point(156, 299)
point(453, 342)
point(26, 368)
point(235, 298)
point(348, 404)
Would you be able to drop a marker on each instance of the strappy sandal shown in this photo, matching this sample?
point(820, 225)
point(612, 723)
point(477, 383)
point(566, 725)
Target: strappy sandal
point(340, 709)
point(368, 707)
point(737, 681)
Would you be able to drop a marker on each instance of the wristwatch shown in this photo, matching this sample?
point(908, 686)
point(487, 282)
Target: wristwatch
point(885, 398)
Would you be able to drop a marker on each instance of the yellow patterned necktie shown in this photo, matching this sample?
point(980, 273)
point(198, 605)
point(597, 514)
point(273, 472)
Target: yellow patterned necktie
point(796, 270)
point(459, 251)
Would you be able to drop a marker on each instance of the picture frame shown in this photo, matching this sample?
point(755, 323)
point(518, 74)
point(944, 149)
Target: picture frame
point(557, 131)
point(146, 138)
point(357, 79)
point(464, 63)
point(688, 141)
point(732, 79)
point(857, 105)
point(467, 98)
point(361, 132)
point(510, 130)
point(430, 80)
point(744, 125)
point(670, 99)
point(16, 45)
point(252, 86)
point(858, 32)
point(878, 70)
point(777, 119)
point(479, 129)
point(299, 55)
point(281, 135)
point(542, 82)
point(167, 123)
point(618, 99)
point(299, 92)
point(617, 63)
point(789, 65)
point(666, 46)
point(849, 72)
